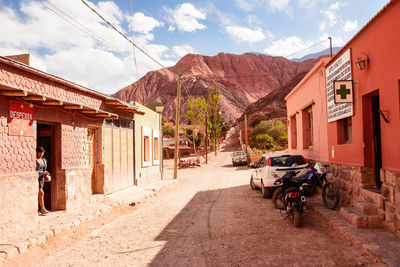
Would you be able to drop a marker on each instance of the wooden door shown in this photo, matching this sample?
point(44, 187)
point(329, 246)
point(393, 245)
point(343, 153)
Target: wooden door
point(91, 155)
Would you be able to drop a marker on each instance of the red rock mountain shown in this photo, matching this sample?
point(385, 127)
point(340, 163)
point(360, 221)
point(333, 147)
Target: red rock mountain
point(241, 80)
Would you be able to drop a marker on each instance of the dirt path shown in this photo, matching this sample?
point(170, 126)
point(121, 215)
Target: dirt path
point(210, 218)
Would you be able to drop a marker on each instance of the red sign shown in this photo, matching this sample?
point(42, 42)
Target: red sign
point(20, 118)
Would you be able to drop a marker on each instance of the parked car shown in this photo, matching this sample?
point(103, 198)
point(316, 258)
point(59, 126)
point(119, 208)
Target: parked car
point(271, 167)
point(238, 158)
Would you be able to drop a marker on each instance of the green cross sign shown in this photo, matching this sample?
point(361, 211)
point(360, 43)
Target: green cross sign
point(343, 91)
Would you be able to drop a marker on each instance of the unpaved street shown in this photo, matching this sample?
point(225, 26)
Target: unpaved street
point(210, 218)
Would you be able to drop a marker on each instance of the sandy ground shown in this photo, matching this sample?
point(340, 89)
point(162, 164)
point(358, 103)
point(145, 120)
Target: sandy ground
point(210, 218)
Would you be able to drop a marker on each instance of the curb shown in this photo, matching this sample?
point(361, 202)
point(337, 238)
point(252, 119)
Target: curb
point(9, 251)
point(378, 242)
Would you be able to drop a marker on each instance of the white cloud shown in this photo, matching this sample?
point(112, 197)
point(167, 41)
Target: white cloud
point(244, 5)
point(286, 46)
point(97, 57)
point(307, 3)
point(186, 17)
point(350, 25)
point(183, 50)
point(280, 5)
point(171, 28)
point(330, 15)
point(243, 34)
point(144, 24)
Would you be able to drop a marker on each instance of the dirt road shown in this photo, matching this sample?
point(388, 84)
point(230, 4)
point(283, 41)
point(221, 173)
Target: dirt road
point(210, 218)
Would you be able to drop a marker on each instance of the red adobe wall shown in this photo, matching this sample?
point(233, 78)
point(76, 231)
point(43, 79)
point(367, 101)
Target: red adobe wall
point(310, 89)
point(353, 163)
point(381, 43)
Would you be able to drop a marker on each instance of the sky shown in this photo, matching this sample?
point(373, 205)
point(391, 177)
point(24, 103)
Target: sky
point(67, 39)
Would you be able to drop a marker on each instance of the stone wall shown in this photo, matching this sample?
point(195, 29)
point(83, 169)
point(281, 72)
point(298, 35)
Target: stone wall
point(354, 182)
point(18, 203)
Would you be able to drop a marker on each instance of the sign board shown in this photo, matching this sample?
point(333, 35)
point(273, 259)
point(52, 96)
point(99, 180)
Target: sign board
point(343, 91)
point(340, 70)
point(20, 118)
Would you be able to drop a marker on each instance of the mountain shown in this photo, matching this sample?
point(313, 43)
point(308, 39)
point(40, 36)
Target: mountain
point(318, 54)
point(273, 105)
point(241, 80)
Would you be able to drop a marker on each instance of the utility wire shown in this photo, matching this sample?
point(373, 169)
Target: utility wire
point(305, 48)
point(112, 26)
point(133, 48)
point(78, 25)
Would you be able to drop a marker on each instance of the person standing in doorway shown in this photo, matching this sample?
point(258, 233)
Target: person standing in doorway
point(43, 176)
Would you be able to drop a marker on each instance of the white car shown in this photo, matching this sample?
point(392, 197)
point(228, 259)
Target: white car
point(239, 158)
point(270, 167)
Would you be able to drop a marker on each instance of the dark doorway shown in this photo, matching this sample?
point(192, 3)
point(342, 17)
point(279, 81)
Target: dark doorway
point(45, 133)
point(376, 131)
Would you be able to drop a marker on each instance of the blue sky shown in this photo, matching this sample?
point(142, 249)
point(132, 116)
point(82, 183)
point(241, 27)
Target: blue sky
point(69, 40)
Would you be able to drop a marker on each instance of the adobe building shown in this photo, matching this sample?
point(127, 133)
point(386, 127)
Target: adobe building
point(307, 113)
point(148, 150)
point(89, 139)
point(363, 122)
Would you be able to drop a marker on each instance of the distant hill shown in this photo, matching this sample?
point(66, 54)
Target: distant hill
point(317, 55)
point(273, 105)
point(241, 79)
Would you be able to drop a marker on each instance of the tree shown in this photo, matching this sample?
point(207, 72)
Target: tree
point(276, 131)
point(264, 140)
point(214, 113)
point(168, 130)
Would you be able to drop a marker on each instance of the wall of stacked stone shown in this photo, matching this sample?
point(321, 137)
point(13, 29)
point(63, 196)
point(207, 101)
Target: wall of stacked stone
point(391, 191)
point(17, 153)
point(352, 179)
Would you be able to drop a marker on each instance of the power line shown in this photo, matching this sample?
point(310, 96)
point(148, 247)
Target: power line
point(78, 25)
point(305, 48)
point(112, 26)
point(133, 48)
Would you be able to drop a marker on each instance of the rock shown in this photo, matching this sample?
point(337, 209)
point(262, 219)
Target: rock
point(241, 79)
point(359, 263)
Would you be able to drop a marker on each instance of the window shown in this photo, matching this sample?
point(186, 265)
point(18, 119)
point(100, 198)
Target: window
point(345, 131)
point(348, 130)
point(262, 162)
point(308, 138)
point(293, 131)
point(146, 148)
point(156, 148)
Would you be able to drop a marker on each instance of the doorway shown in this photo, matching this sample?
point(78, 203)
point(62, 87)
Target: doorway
point(45, 138)
point(376, 132)
point(92, 156)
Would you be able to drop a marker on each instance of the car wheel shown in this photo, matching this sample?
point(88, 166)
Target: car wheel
point(252, 185)
point(265, 191)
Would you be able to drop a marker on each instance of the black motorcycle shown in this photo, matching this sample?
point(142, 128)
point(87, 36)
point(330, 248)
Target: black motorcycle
point(293, 195)
point(314, 178)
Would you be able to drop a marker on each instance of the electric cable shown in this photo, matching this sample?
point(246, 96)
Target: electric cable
point(78, 25)
point(304, 49)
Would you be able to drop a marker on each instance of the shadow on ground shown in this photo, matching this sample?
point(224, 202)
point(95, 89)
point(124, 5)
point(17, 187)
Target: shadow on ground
point(236, 226)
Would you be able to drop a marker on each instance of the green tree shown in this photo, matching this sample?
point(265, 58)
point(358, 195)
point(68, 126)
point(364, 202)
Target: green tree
point(214, 114)
point(264, 140)
point(168, 130)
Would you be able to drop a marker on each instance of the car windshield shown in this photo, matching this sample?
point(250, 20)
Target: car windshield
point(287, 160)
point(238, 153)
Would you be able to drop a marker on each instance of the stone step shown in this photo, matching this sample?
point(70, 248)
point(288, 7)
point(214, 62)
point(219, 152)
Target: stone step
point(365, 207)
point(373, 197)
point(360, 220)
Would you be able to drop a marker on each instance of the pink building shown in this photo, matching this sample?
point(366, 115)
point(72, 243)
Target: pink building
point(306, 108)
point(88, 137)
point(359, 121)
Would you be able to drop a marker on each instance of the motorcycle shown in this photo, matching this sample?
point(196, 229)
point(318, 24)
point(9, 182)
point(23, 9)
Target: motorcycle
point(314, 178)
point(293, 195)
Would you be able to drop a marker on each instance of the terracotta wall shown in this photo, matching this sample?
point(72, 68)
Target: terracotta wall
point(310, 92)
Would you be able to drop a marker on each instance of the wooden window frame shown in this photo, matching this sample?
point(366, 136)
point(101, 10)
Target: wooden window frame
point(146, 132)
point(156, 148)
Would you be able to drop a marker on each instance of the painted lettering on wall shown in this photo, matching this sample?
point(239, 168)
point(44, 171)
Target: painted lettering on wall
point(339, 70)
point(20, 118)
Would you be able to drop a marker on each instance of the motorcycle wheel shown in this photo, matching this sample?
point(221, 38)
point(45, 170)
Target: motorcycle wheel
point(277, 199)
point(296, 217)
point(330, 195)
